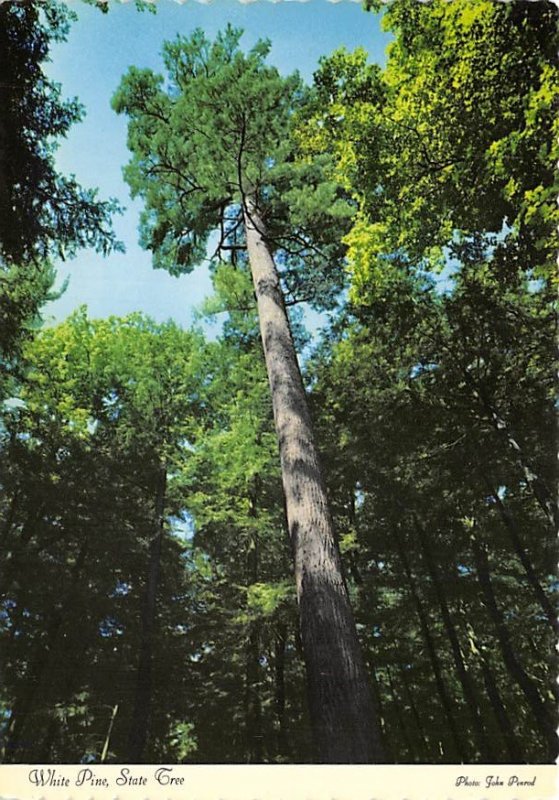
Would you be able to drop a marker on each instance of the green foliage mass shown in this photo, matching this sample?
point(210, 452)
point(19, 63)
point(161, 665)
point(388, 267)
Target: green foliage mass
point(23, 292)
point(456, 139)
point(215, 131)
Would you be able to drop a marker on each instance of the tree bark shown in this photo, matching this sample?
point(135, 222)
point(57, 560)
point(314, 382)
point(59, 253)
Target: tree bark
point(139, 727)
point(343, 716)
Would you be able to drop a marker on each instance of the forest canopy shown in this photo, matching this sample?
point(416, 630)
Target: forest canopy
point(274, 545)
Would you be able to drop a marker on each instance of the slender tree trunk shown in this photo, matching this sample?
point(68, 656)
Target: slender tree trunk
point(139, 728)
point(378, 698)
point(253, 706)
point(107, 742)
point(422, 738)
point(513, 747)
point(279, 690)
point(536, 483)
point(344, 719)
point(544, 719)
point(483, 741)
point(514, 534)
point(399, 717)
point(458, 747)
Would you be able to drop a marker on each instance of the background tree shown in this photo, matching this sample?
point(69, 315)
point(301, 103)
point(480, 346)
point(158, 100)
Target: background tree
point(42, 212)
point(97, 438)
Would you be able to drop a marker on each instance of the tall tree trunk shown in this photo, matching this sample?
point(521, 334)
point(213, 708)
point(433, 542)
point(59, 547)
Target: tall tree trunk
point(458, 747)
point(514, 534)
point(483, 741)
point(543, 717)
point(139, 727)
point(344, 719)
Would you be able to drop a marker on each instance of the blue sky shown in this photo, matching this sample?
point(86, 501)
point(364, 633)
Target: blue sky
point(100, 48)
